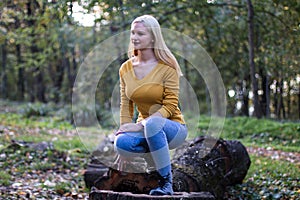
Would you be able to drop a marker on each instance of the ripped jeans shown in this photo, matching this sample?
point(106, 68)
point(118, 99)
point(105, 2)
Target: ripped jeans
point(159, 135)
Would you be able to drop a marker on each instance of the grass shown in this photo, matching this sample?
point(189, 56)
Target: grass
point(258, 132)
point(269, 179)
point(5, 178)
point(45, 122)
point(265, 167)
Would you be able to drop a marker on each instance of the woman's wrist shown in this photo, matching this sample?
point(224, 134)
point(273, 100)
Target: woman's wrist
point(140, 124)
point(143, 122)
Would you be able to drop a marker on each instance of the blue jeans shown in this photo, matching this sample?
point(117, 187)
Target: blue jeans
point(159, 135)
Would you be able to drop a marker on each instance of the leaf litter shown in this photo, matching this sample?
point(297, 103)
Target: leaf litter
point(41, 173)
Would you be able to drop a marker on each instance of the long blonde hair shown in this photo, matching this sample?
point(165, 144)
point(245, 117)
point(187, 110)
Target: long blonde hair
point(161, 51)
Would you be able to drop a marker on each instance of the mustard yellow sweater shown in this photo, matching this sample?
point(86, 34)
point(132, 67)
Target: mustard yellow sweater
point(157, 91)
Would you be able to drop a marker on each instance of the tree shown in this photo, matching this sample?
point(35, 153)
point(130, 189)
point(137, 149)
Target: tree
point(257, 107)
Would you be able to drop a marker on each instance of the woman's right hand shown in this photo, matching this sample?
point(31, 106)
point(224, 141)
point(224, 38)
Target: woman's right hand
point(130, 127)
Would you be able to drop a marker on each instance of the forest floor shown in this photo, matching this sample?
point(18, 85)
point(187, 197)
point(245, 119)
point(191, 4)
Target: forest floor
point(54, 168)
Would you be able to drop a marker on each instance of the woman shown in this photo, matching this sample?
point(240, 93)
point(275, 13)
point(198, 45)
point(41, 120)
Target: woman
point(149, 79)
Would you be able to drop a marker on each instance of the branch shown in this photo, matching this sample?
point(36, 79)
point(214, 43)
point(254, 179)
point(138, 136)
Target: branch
point(227, 5)
point(274, 16)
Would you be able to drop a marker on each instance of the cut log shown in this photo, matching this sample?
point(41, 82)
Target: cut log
point(196, 168)
point(139, 183)
point(93, 172)
point(112, 195)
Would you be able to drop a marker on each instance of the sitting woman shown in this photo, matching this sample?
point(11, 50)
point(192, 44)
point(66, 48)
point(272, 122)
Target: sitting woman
point(149, 79)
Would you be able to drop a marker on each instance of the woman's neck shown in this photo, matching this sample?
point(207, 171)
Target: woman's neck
point(145, 56)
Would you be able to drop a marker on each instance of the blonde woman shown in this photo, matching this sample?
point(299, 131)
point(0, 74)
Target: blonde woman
point(149, 79)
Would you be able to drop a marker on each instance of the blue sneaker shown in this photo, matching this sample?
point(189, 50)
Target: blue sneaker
point(165, 187)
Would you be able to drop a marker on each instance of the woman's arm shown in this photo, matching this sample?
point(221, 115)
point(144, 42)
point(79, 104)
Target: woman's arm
point(126, 105)
point(170, 95)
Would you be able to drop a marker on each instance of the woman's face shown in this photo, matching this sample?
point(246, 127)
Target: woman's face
point(140, 37)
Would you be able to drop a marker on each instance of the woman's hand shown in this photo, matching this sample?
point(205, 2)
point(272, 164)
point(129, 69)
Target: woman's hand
point(130, 127)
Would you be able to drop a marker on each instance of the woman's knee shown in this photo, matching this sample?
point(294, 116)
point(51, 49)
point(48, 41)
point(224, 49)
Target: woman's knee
point(129, 146)
point(153, 125)
point(179, 137)
point(121, 142)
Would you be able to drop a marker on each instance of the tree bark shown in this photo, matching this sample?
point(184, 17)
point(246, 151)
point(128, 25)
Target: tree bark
point(108, 194)
point(67, 64)
point(275, 98)
point(186, 75)
point(267, 88)
point(41, 89)
point(245, 107)
point(57, 75)
point(74, 70)
point(3, 73)
point(288, 111)
point(21, 80)
point(38, 79)
point(196, 169)
point(280, 105)
point(299, 101)
point(257, 108)
point(263, 101)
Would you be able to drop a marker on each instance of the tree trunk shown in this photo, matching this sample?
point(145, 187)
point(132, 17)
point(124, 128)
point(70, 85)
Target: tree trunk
point(21, 80)
point(207, 95)
point(299, 101)
point(3, 73)
point(263, 101)
point(57, 76)
point(67, 65)
point(280, 105)
point(186, 75)
point(245, 107)
point(275, 98)
point(40, 86)
point(74, 70)
point(267, 88)
point(219, 100)
point(288, 112)
point(257, 108)
point(38, 79)
point(187, 90)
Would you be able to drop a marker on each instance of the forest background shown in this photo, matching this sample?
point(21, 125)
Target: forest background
point(255, 46)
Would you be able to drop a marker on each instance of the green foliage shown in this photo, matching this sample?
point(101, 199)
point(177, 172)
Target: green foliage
point(37, 109)
point(258, 132)
point(45, 47)
point(62, 188)
point(73, 144)
point(33, 122)
point(5, 178)
point(269, 179)
point(43, 166)
point(85, 113)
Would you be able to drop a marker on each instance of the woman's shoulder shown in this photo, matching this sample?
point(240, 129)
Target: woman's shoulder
point(166, 67)
point(126, 66)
